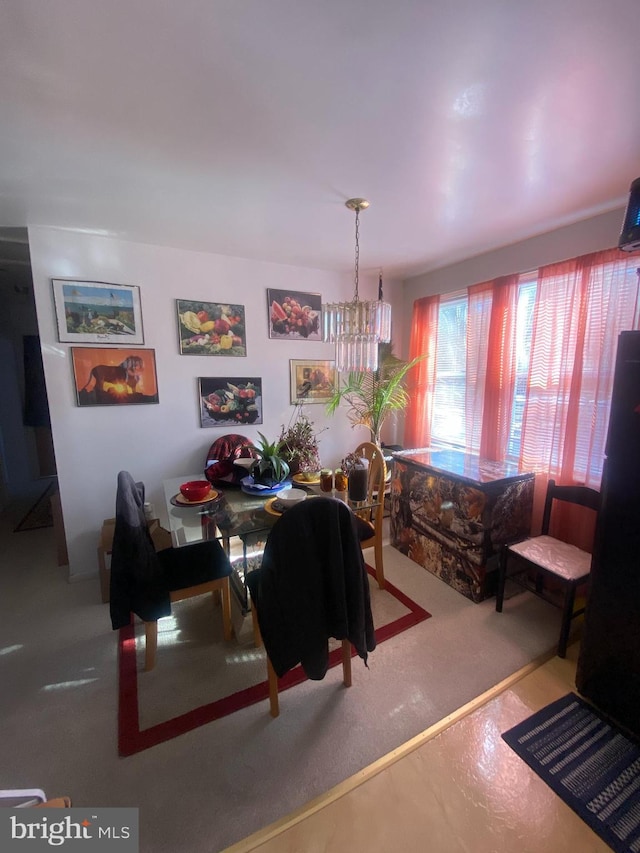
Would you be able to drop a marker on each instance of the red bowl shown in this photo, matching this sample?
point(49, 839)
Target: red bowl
point(195, 490)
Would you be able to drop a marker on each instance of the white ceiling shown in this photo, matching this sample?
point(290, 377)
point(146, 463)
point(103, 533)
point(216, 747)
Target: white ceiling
point(241, 126)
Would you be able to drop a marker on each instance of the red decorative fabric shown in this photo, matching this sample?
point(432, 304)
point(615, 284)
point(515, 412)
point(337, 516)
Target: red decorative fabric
point(219, 465)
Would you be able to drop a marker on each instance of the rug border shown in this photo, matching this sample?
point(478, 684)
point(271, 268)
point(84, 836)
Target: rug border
point(570, 800)
point(132, 739)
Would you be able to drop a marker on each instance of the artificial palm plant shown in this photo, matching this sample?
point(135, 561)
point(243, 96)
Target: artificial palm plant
point(373, 396)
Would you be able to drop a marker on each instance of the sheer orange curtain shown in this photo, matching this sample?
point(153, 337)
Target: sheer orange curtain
point(501, 369)
point(491, 365)
point(421, 380)
point(581, 307)
point(480, 299)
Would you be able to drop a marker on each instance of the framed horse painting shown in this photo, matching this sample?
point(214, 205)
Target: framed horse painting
point(114, 377)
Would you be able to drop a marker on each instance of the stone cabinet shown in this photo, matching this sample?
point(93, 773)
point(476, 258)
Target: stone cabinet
point(450, 512)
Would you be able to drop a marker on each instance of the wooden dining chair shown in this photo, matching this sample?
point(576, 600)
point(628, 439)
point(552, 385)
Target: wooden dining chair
point(543, 562)
point(312, 586)
point(375, 492)
point(147, 576)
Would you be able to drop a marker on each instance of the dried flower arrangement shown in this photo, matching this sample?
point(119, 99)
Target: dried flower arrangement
point(299, 444)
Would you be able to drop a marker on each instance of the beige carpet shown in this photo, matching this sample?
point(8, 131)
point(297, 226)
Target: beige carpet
point(195, 666)
point(218, 783)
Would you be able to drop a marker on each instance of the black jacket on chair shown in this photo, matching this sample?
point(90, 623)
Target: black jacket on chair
point(312, 585)
point(141, 578)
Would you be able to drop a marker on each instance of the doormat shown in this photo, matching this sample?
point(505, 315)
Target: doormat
point(40, 514)
point(589, 763)
point(133, 738)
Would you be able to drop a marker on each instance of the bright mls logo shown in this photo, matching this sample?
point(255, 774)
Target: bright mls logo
point(70, 829)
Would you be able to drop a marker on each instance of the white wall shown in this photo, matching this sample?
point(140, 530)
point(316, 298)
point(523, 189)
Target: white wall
point(156, 442)
point(590, 235)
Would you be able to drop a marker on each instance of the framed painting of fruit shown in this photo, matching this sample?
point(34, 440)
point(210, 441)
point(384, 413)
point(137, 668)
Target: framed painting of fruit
point(294, 316)
point(311, 381)
point(211, 328)
point(230, 401)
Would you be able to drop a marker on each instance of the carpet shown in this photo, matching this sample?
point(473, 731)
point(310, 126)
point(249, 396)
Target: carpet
point(40, 514)
point(198, 678)
point(589, 763)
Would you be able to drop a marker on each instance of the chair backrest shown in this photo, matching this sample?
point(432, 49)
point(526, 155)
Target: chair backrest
point(377, 467)
point(312, 585)
point(138, 583)
point(580, 495)
point(377, 477)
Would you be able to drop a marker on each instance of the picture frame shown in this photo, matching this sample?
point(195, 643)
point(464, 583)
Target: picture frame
point(211, 328)
point(294, 315)
point(227, 401)
point(120, 376)
point(311, 380)
point(97, 312)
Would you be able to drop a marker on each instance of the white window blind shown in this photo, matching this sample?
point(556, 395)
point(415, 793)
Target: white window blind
point(448, 425)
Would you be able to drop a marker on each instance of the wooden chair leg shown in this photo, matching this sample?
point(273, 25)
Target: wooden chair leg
point(567, 614)
point(150, 645)
point(346, 663)
point(226, 610)
point(257, 636)
point(274, 706)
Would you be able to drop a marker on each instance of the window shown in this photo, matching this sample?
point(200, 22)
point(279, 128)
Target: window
point(448, 425)
point(523, 367)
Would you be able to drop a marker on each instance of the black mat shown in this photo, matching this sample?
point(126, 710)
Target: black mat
point(589, 763)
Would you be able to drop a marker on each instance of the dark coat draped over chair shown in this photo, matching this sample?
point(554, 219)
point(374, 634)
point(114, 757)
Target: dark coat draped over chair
point(312, 585)
point(142, 580)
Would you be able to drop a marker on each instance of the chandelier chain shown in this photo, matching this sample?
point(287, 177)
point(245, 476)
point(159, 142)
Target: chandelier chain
point(357, 259)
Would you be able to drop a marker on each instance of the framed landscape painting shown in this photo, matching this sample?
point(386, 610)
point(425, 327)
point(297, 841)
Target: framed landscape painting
point(230, 401)
point(114, 377)
point(294, 316)
point(95, 312)
point(211, 328)
point(311, 381)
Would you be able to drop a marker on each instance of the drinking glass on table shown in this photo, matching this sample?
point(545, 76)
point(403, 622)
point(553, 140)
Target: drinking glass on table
point(326, 480)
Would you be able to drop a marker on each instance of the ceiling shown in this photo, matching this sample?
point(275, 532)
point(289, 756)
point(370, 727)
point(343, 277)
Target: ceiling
point(241, 126)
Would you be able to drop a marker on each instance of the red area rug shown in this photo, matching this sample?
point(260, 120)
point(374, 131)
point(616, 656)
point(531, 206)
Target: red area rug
point(133, 739)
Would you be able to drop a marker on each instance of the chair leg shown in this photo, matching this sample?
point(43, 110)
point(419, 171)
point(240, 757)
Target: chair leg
point(346, 663)
point(226, 610)
point(502, 578)
point(274, 706)
point(150, 645)
point(378, 555)
point(567, 614)
point(257, 636)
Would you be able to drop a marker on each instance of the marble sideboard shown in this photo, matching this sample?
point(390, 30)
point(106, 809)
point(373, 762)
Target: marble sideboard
point(450, 512)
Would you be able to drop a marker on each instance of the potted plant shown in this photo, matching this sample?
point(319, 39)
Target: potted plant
point(270, 468)
point(373, 396)
point(299, 445)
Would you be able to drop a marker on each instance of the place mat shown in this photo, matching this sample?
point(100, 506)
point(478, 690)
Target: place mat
point(589, 763)
point(180, 500)
point(298, 478)
point(274, 507)
point(250, 488)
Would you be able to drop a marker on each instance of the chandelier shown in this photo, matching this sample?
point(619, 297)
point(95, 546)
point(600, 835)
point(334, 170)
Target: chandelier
point(357, 327)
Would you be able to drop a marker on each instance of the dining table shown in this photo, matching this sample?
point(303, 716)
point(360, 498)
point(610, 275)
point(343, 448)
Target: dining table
point(241, 519)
